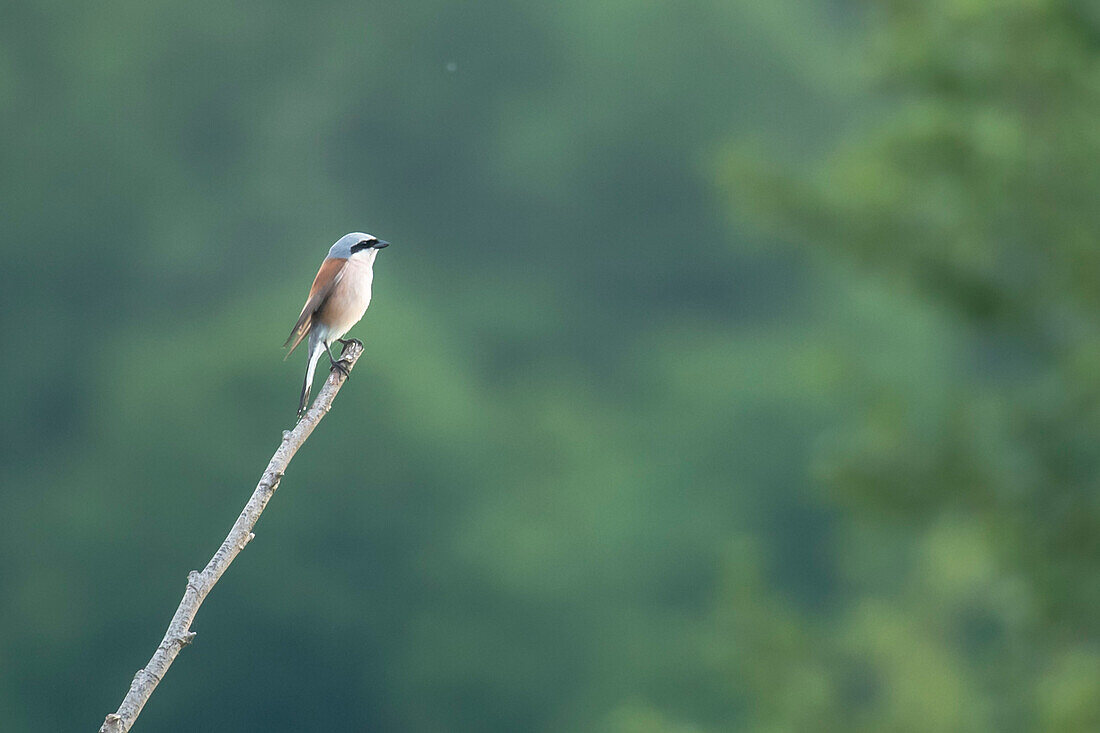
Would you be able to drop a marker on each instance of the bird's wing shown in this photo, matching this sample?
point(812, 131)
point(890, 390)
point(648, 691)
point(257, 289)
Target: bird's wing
point(332, 269)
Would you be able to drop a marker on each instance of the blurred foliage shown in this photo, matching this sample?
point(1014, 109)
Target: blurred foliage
point(975, 192)
point(613, 461)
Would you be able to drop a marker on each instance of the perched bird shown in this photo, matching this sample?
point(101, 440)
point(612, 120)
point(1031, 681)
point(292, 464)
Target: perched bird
point(338, 299)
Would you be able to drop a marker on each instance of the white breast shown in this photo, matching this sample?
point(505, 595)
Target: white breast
point(350, 297)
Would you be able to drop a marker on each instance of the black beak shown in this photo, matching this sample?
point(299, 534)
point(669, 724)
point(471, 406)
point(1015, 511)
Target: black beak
point(380, 244)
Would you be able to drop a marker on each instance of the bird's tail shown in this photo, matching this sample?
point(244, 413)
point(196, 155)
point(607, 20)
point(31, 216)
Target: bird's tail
point(315, 351)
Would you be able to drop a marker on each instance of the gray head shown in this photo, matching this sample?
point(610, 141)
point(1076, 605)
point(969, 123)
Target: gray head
point(356, 243)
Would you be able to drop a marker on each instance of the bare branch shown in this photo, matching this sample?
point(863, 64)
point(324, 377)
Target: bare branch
point(179, 632)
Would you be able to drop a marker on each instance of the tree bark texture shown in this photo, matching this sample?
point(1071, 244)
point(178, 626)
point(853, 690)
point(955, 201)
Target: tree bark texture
point(199, 584)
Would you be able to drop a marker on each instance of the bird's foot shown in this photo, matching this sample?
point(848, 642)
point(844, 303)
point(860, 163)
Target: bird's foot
point(343, 367)
point(348, 342)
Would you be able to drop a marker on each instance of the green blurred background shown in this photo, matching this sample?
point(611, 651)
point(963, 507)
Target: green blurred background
point(734, 367)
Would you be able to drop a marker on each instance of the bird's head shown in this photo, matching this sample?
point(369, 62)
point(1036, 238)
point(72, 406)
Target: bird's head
point(357, 244)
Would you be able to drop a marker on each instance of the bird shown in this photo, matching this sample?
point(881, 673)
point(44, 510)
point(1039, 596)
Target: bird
point(337, 300)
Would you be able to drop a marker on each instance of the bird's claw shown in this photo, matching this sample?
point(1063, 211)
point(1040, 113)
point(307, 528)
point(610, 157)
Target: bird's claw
point(348, 342)
point(343, 367)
